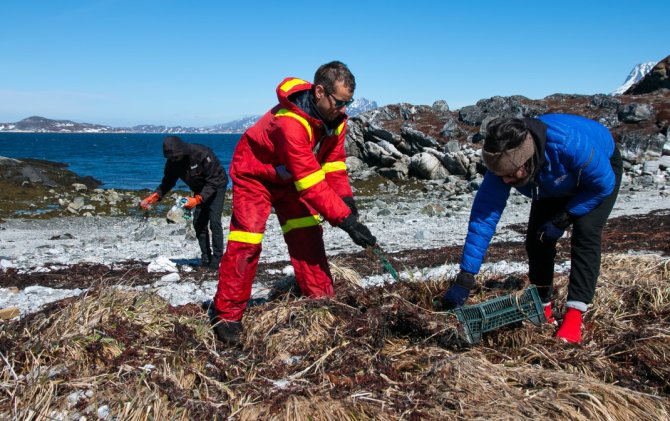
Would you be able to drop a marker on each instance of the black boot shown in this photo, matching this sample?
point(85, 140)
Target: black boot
point(227, 331)
point(214, 263)
point(205, 260)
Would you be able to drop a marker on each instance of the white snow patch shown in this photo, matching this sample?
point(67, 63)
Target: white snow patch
point(162, 264)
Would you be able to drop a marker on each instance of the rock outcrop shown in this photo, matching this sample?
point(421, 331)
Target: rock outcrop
point(32, 186)
point(404, 141)
point(26, 172)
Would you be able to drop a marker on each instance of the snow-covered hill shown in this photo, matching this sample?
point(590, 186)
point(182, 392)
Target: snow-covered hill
point(638, 72)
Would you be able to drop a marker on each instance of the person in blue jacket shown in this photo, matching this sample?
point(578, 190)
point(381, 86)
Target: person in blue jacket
point(571, 168)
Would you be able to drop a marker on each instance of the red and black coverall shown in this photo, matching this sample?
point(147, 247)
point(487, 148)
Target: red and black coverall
point(315, 158)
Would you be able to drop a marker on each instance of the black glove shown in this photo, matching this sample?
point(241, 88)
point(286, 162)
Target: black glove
point(358, 232)
point(459, 292)
point(349, 201)
point(552, 230)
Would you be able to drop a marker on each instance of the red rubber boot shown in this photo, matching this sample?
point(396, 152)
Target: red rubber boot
point(548, 313)
point(571, 328)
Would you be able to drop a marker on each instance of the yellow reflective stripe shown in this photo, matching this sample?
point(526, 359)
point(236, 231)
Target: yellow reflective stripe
point(286, 113)
point(339, 129)
point(245, 237)
point(334, 166)
point(307, 221)
point(289, 84)
point(312, 179)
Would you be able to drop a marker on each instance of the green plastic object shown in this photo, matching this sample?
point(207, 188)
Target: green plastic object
point(493, 314)
point(386, 263)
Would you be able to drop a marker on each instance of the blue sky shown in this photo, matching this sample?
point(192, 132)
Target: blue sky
point(128, 62)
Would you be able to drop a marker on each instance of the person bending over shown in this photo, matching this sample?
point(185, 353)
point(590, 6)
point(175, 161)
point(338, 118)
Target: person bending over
point(571, 168)
point(202, 172)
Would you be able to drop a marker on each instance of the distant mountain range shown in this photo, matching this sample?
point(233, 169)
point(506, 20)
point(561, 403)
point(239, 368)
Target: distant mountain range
point(42, 124)
point(638, 72)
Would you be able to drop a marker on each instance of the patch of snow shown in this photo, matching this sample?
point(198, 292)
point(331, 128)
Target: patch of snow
point(32, 298)
point(281, 384)
point(163, 264)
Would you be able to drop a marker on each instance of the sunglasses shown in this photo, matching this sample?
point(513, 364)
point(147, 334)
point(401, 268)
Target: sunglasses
point(338, 102)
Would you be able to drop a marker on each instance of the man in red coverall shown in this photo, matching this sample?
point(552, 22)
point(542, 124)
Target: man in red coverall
point(292, 159)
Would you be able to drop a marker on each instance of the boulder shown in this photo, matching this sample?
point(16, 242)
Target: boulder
point(664, 162)
point(606, 102)
point(355, 164)
point(452, 146)
point(506, 107)
point(471, 115)
point(456, 163)
point(450, 128)
point(427, 166)
point(398, 171)
point(373, 153)
point(76, 204)
point(440, 106)
point(651, 167)
point(640, 145)
point(388, 147)
point(417, 139)
point(633, 112)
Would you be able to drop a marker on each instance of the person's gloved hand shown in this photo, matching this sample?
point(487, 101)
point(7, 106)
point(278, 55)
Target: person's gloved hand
point(192, 202)
point(283, 173)
point(358, 232)
point(149, 200)
point(351, 203)
point(551, 231)
point(459, 291)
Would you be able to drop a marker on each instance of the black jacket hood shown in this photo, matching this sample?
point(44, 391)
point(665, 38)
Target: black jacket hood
point(174, 149)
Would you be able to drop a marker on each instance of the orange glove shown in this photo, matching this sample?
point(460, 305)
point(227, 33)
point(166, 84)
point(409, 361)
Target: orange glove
point(149, 200)
point(192, 202)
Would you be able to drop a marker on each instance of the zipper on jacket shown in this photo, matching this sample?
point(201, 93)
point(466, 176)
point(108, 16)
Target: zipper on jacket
point(579, 174)
point(317, 145)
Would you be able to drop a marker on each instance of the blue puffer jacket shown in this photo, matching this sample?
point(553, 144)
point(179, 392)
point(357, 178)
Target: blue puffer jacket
point(576, 164)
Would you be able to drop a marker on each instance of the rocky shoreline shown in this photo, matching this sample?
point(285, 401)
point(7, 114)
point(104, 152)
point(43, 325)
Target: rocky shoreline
point(404, 141)
point(400, 148)
point(431, 143)
point(39, 189)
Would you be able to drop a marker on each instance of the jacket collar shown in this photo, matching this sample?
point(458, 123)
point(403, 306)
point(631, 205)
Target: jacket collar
point(297, 95)
point(538, 130)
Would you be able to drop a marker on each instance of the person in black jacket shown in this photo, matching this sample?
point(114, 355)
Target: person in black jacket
point(201, 170)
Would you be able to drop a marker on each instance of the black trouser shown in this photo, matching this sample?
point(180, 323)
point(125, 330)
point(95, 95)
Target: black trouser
point(585, 243)
point(210, 212)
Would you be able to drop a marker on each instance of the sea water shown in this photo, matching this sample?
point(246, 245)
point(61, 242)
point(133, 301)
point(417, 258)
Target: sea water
point(131, 161)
